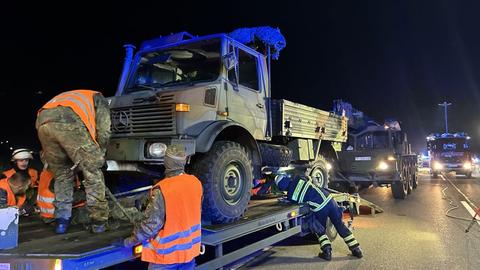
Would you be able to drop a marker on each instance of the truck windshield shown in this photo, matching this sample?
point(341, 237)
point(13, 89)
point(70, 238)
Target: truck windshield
point(449, 144)
point(191, 63)
point(373, 140)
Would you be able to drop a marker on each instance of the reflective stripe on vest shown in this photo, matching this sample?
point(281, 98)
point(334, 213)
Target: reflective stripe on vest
point(47, 211)
point(179, 239)
point(45, 197)
point(173, 237)
point(11, 199)
point(81, 102)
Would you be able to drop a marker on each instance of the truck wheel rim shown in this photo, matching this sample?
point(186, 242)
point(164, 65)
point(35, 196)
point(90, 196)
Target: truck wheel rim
point(233, 181)
point(318, 175)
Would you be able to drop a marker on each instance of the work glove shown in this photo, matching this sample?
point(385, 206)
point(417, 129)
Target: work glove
point(129, 242)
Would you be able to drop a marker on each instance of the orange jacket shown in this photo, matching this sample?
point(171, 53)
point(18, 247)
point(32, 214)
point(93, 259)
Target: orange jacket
point(81, 102)
point(11, 199)
point(179, 239)
point(32, 172)
point(46, 197)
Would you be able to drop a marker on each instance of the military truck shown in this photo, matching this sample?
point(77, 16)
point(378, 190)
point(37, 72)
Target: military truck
point(374, 154)
point(450, 152)
point(212, 94)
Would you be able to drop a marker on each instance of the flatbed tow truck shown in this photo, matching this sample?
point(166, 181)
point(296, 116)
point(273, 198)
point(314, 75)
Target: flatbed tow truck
point(265, 223)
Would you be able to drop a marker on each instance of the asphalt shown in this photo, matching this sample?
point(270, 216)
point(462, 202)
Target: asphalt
point(414, 233)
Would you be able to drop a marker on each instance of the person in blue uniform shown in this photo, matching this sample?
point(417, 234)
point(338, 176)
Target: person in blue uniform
point(300, 189)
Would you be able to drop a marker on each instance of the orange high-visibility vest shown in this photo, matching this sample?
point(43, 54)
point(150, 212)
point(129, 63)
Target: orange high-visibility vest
point(32, 172)
point(11, 200)
point(46, 197)
point(179, 239)
point(81, 102)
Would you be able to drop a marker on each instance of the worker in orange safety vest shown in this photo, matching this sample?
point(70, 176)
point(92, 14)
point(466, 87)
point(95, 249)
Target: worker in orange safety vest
point(170, 232)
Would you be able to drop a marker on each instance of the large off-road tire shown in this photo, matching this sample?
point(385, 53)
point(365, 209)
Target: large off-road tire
point(400, 189)
point(275, 155)
point(226, 172)
point(319, 173)
point(408, 177)
point(469, 175)
point(434, 175)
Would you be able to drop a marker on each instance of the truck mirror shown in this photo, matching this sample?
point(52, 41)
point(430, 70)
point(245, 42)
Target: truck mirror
point(230, 60)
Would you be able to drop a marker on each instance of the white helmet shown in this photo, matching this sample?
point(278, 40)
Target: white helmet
point(21, 153)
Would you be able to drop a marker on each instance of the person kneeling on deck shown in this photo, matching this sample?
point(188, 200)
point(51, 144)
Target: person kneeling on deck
point(170, 232)
point(12, 190)
point(300, 189)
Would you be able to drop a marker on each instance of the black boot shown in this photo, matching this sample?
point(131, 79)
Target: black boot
point(326, 253)
point(357, 252)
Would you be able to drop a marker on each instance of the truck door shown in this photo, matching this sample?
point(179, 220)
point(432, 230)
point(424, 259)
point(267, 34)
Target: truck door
point(246, 92)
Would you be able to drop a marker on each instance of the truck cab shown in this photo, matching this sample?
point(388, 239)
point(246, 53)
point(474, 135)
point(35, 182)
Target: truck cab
point(375, 154)
point(450, 152)
point(177, 86)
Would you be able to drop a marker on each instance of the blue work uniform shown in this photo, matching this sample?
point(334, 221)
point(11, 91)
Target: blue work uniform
point(303, 191)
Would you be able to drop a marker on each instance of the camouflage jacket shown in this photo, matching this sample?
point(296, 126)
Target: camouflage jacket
point(66, 115)
point(153, 221)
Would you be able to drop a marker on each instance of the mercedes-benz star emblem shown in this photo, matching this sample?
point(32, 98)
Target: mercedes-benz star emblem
point(120, 120)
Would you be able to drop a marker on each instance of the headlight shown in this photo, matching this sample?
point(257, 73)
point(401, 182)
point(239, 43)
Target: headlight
point(382, 166)
point(391, 158)
point(467, 165)
point(329, 166)
point(157, 150)
point(437, 165)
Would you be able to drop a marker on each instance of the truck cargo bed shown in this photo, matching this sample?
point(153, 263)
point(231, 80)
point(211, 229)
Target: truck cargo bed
point(297, 120)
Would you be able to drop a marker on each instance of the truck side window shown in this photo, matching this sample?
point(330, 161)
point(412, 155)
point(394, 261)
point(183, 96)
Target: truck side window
point(247, 68)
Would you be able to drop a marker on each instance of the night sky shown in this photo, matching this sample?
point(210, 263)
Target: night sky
point(389, 58)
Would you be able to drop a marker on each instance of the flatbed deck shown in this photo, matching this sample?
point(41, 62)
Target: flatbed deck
point(40, 248)
point(39, 239)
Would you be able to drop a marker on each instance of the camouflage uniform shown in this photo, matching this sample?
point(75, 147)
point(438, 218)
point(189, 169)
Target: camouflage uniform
point(66, 142)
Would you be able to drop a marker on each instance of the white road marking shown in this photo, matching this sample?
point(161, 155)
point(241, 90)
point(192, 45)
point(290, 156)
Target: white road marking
point(459, 191)
point(471, 211)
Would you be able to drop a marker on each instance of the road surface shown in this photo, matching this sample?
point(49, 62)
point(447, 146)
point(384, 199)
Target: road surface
point(411, 234)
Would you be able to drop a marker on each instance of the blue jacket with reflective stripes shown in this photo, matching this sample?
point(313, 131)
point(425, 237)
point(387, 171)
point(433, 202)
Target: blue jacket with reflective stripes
point(302, 190)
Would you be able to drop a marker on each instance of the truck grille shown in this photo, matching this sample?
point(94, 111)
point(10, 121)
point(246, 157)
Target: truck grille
point(144, 120)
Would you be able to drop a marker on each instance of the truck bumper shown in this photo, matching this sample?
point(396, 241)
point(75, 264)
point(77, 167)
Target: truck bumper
point(456, 170)
point(137, 150)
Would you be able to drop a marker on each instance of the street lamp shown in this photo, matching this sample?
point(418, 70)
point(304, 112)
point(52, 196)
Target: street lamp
point(445, 105)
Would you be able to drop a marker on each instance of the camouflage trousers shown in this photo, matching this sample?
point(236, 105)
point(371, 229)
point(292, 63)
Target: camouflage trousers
point(66, 145)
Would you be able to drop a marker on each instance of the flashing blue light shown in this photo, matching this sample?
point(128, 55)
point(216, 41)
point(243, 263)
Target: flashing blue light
point(267, 35)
